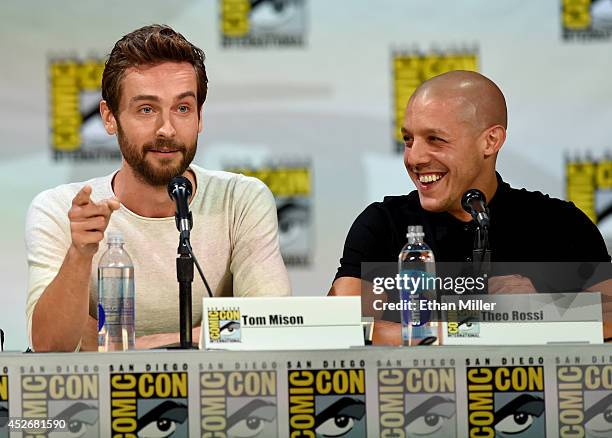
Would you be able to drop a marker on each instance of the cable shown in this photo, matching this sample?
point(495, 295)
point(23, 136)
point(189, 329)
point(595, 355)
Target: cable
point(195, 260)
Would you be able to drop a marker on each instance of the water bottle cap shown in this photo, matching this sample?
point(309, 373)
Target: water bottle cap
point(115, 237)
point(415, 230)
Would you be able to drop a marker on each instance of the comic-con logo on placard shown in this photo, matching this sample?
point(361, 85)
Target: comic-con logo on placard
point(463, 324)
point(261, 23)
point(506, 401)
point(149, 404)
point(329, 402)
point(238, 404)
point(4, 404)
point(585, 20)
point(290, 183)
point(589, 186)
point(71, 399)
point(224, 325)
point(419, 402)
point(585, 400)
point(412, 68)
point(76, 127)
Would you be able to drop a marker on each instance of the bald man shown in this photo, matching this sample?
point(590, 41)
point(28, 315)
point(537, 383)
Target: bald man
point(454, 127)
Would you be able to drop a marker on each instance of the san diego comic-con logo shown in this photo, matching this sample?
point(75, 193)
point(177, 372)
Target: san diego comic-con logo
point(585, 20)
point(463, 324)
point(149, 404)
point(238, 404)
point(506, 401)
point(585, 400)
point(76, 128)
point(291, 185)
point(412, 68)
point(4, 404)
point(327, 403)
point(224, 325)
point(589, 186)
point(262, 23)
point(73, 398)
point(417, 402)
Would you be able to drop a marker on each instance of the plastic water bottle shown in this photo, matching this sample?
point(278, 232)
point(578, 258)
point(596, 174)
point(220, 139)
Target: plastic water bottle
point(115, 297)
point(417, 274)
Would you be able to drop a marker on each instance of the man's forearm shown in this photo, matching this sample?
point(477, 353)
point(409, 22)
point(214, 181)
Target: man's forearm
point(60, 315)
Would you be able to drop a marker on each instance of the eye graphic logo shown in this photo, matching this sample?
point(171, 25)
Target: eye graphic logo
point(327, 403)
point(506, 401)
point(463, 324)
point(76, 126)
point(412, 68)
point(224, 325)
point(239, 404)
point(585, 400)
point(149, 405)
point(417, 402)
point(292, 189)
point(261, 23)
point(586, 19)
point(73, 398)
point(4, 407)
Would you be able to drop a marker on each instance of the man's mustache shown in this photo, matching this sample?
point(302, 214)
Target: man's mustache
point(164, 145)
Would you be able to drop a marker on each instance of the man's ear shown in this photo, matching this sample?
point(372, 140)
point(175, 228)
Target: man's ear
point(494, 139)
point(108, 118)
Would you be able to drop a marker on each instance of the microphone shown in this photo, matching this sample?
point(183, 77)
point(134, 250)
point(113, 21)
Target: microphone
point(475, 203)
point(180, 189)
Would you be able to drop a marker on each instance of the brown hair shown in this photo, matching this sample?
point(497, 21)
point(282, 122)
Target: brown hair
point(150, 45)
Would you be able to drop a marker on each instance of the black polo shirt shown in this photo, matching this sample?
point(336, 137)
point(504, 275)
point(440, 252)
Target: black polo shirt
point(525, 227)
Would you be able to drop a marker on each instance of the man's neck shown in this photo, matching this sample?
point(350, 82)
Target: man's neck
point(142, 198)
point(488, 187)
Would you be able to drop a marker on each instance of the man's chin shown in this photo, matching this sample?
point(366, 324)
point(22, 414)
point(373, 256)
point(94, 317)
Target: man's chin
point(431, 205)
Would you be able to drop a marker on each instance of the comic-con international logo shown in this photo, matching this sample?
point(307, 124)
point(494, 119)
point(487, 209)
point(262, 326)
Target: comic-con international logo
point(261, 23)
point(76, 129)
point(326, 403)
point(417, 402)
point(224, 325)
point(506, 401)
point(412, 68)
point(149, 405)
point(589, 186)
point(291, 186)
point(4, 404)
point(585, 401)
point(238, 404)
point(73, 398)
point(586, 19)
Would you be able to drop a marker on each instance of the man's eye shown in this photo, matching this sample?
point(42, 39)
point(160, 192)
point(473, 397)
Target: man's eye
point(437, 139)
point(183, 108)
point(146, 110)
point(408, 142)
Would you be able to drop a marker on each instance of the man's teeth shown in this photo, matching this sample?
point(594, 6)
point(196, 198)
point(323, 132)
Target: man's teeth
point(429, 178)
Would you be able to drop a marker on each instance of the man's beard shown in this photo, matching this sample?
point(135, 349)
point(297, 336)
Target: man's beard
point(164, 171)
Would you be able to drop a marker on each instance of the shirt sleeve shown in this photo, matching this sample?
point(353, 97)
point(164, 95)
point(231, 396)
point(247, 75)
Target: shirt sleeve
point(47, 238)
point(368, 240)
point(256, 264)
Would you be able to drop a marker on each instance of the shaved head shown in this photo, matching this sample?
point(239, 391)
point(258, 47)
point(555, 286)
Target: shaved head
point(454, 127)
point(478, 99)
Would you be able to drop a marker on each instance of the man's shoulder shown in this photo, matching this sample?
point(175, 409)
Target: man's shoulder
point(220, 180)
point(536, 202)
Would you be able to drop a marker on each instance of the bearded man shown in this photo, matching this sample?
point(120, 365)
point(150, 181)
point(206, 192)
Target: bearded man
point(153, 88)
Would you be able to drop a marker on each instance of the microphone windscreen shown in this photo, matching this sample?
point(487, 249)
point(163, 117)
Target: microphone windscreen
point(178, 182)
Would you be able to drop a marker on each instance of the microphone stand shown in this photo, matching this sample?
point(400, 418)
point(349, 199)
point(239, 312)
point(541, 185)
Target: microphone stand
point(184, 276)
point(481, 254)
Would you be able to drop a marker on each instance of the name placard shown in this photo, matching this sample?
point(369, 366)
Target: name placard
point(287, 323)
point(523, 319)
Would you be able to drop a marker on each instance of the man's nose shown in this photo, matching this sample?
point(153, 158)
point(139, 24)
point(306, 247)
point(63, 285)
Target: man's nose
point(165, 128)
point(417, 155)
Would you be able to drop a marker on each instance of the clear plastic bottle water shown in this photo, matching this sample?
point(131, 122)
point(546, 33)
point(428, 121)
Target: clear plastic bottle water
point(417, 273)
point(116, 330)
